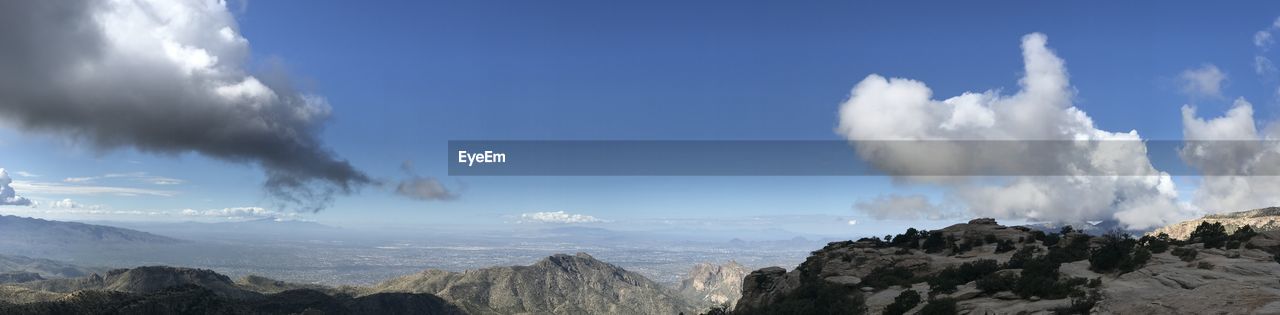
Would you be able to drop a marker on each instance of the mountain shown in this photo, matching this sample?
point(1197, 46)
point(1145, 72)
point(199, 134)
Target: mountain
point(982, 267)
point(560, 284)
point(169, 290)
point(1261, 220)
point(257, 229)
point(46, 238)
point(713, 284)
point(1094, 228)
point(45, 268)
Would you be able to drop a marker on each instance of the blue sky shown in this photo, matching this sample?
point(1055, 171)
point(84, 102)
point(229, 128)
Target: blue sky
point(404, 77)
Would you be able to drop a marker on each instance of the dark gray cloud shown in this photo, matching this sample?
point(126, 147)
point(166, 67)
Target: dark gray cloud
point(421, 187)
point(165, 77)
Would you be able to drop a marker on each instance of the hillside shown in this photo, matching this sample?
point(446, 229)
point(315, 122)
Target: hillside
point(1265, 219)
point(169, 290)
point(560, 284)
point(985, 268)
point(713, 285)
point(45, 268)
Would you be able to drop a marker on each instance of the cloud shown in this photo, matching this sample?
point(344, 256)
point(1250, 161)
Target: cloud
point(46, 188)
point(8, 196)
point(880, 108)
point(1242, 159)
point(422, 188)
point(1262, 42)
point(136, 176)
point(898, 207)
point(1204, 81)
point(25, 174)
point(165, 77)
point(559, 217)
point(236, 213)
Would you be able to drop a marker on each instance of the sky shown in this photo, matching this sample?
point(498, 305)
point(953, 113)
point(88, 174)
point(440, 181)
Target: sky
point(379, 84)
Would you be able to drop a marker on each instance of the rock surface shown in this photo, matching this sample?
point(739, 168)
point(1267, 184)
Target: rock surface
point(1260, 220)
point(714, 284)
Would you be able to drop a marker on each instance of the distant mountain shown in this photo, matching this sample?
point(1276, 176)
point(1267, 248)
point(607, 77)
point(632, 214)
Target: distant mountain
point(27, 232)
point(1094, 228)
point(169, 290)
point(273, 228)
point(1260, 220)
point(45, 268)
point(560, 284)
point(714, 284)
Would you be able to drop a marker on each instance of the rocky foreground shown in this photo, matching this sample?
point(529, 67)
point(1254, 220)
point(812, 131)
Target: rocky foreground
point(982, 267)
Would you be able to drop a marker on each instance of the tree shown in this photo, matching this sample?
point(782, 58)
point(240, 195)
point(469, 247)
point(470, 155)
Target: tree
point(945, 306)
point(1213, 235)
point(934, 243)
point(905, 301)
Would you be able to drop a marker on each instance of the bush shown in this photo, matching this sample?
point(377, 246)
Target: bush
point(1205, 265)
point(1244, 234)
point(905, 301)
point(990, 239)
point(1081, 304)
point(814, 297)
point(1213, 235)
point(906, 240)
point(886, 276)
point(945, 306)
point(947, 279)
point(1076, 250)
point(1157, 244)
point(1005, 246)
point(1184, 253)
point(934, 243)
point(1040, 278)
point(1051, 239)
point(1118, 251)
point(1023, 255)
point(996, 282)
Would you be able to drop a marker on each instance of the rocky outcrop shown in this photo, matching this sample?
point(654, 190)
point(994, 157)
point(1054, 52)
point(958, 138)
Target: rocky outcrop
point(1261, 220)
point(1222, 281)
point(714, 285)
point(560, 284)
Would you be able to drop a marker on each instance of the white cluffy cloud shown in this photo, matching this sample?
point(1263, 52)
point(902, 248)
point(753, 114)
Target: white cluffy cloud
point(9, 196)
point(1241, 159)
point(882, 108)
point(135, 176)
point(557, 217)
point(1203, 81)
point(1262, 41)
point(237, 213)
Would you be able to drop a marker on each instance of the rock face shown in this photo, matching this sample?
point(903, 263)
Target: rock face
point(1221, 281)
point(560, 284)
point(714, 284)
point(1261, 220)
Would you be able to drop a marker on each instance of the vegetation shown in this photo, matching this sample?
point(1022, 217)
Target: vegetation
point(905, 301)
point(1118, 251)
point(1212, 235)
point(945, 306)
point(1184, 253)
point(947, 279)
point(996, 282)
point(1157, 244)
point(934, 243)
point(884, 277)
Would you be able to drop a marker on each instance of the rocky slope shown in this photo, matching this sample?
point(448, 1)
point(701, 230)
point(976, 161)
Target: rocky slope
point(1046, 274)
point(1265, 219)
point(714, 285)
point(44, 267)
point(560, 284)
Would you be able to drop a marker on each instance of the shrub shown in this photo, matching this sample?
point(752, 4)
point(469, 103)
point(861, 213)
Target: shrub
point(934, 243)
point(1184, 253)
point(1005, 246)
point(1213, 235)
point(1076, 250)
point(1037, 236)
point(990, 239)
point(1244, 234)
point(996, 282)
point(906, 240)
point(1051, 239)
point(1157, 244)
point(1205, 265)
point(886, 276)
point(1081, 304)
point(905, 301)
point(945, 306)
point(1040, 278)
point(1095, 282)
point(947, 279)
point(1023, 255)
point(1118, 251)
point(1067, 230)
